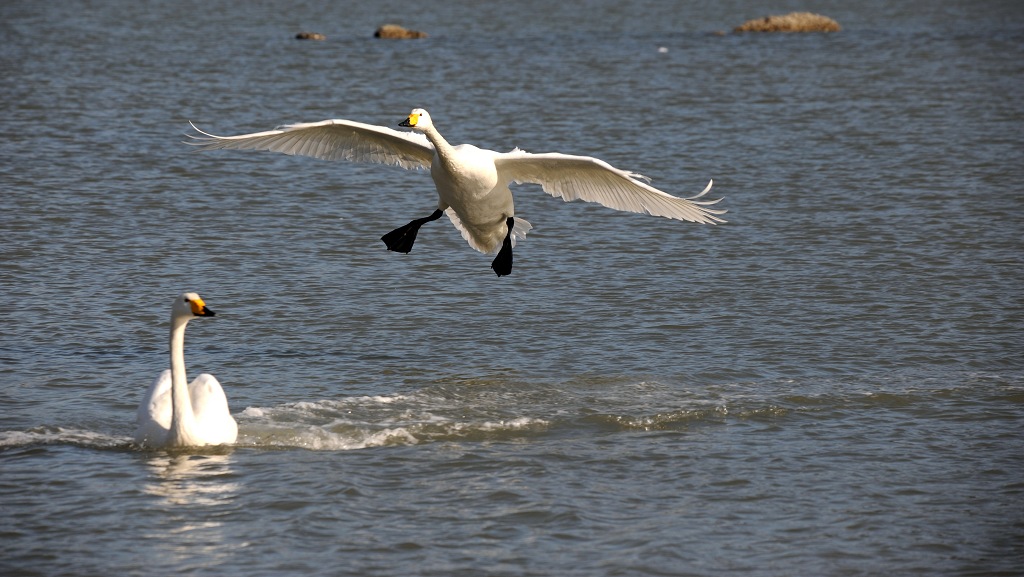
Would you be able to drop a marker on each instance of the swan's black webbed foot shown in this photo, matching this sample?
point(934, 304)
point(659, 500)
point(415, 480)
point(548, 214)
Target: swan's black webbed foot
point(502, 264)
point(402, 238)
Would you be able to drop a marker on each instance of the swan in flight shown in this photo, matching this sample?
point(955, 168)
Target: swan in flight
point(173, 414)
point(472, 183)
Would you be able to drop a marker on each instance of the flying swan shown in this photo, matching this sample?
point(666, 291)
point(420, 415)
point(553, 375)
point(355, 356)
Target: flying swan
point(172, 414)
point(472, 183)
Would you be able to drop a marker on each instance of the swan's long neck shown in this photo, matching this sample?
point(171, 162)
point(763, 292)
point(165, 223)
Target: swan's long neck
point(444, 150)
point(182, 418)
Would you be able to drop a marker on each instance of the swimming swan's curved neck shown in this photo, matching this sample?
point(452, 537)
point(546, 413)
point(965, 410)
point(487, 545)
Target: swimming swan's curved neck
point(182, 417)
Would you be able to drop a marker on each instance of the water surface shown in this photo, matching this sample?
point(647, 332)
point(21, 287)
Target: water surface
point(829, 384)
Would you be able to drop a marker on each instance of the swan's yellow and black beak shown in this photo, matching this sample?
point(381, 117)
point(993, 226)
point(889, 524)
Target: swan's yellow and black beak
point(200, 309)
point(411, 121)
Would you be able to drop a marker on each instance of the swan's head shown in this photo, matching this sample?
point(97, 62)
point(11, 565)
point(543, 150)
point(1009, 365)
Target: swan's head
point(418, 120)
point(190, 305)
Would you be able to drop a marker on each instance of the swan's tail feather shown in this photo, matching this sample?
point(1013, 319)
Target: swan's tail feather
point(522, 226)
point(520, 229)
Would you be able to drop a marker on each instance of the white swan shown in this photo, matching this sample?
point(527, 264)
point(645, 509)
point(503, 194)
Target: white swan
point(472, 183)
point(172, 414)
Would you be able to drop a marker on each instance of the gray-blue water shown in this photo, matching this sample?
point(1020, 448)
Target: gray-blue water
point(832, 383)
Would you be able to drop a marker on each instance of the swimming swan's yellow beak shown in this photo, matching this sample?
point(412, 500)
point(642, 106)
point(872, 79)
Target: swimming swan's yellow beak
point(199, 308)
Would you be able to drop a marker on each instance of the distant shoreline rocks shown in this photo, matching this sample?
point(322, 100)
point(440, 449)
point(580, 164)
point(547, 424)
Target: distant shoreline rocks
point(792, 22)
point(396, 31)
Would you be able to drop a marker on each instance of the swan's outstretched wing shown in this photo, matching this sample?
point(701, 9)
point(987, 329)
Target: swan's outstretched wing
point(594, 180)
point(153, 418)
point(213, 419)
point(331, 140)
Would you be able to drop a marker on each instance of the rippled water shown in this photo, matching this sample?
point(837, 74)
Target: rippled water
point(829, 384)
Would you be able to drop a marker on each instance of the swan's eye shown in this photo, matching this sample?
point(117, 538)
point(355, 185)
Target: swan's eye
point(185, 299)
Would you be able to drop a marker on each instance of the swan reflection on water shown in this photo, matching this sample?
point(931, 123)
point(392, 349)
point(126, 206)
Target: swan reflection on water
point(192, 479)
point(193, 492)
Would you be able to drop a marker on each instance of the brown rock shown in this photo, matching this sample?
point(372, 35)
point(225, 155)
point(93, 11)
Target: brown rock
point(792, 22)
point(396, 31)
point(310, 36)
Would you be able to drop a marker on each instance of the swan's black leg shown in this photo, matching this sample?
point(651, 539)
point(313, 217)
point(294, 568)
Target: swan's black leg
point(502, 264)
point(401, 239)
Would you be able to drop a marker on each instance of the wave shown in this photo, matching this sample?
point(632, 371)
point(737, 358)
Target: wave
point(47, 435)
point(509, 410)
point(328, 425)
point(683, 419)
point(375, 421)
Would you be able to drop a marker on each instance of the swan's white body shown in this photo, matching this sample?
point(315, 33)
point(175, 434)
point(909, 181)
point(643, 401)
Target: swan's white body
point(472, 183)
point(173, 414)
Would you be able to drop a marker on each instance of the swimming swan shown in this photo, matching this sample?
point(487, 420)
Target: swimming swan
point(173, 415)
point(472, 183)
